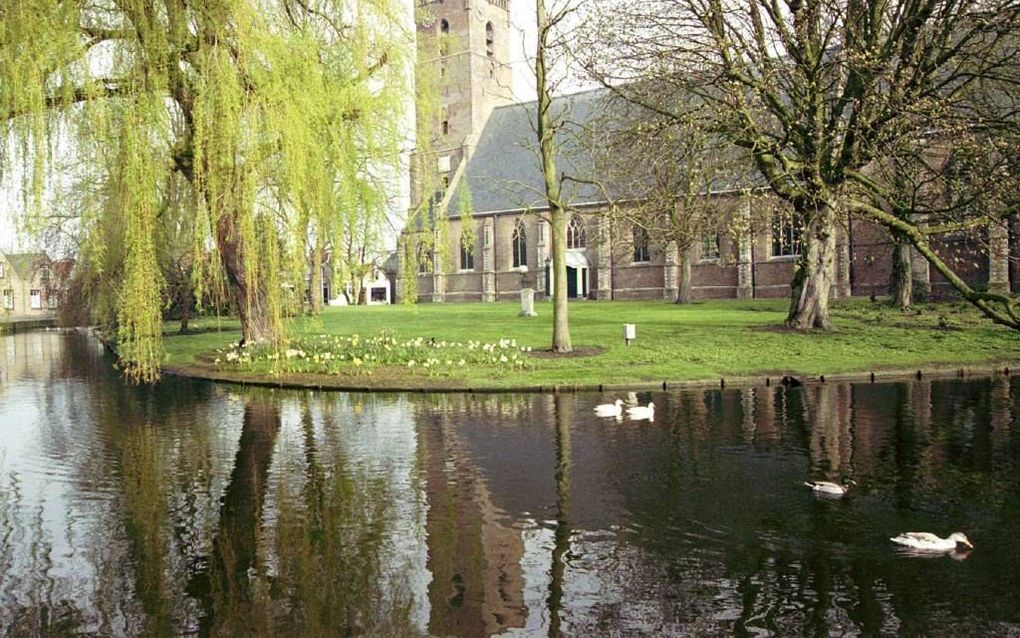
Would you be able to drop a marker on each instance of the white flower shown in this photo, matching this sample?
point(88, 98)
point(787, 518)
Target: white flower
point(502, 358)
point(410, 364)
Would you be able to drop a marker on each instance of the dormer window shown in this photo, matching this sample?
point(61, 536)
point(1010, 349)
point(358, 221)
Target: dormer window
point(490, 39)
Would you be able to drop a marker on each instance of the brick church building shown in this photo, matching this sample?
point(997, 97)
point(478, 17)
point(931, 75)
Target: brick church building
point(486, 142)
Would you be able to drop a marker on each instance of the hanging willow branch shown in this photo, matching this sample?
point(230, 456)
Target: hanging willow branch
point(279, 114)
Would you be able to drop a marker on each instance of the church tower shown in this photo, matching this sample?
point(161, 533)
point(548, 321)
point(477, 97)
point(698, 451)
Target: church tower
point(465, 49)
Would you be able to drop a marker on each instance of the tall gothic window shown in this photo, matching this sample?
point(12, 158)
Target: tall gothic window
point(710, 245)
point(785, 235)
point(640, 244)
point(424, 260)
point(575, 233)
point(467, 255)
point(490, 40)
point(520, 245)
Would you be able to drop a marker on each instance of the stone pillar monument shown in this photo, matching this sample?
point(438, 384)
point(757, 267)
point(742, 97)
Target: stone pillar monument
point(528, 302)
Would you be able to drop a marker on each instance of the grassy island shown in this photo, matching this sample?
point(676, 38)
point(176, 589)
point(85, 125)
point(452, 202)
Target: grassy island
point(487, 346)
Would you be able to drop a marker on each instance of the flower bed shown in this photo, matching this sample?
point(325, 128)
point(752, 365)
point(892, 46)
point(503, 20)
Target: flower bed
point(358, 355)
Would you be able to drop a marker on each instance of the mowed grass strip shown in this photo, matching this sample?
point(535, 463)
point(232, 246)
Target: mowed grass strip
point(700, 341)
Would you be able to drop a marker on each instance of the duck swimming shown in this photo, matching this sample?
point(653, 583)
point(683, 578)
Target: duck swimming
point(828, 488)
point(642, 412)
point(609, 409)
point(928, 542)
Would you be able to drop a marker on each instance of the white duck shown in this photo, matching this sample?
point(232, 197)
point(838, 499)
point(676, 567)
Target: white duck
point(642, 412)
point(928, 542)
point(609, 409)
point(828, 488)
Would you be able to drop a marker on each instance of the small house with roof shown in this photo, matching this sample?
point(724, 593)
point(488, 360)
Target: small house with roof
point(28, 286)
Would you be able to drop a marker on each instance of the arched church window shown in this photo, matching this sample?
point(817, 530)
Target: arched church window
point(641, 241)
point(520, 245)
point(490, 40)
point(575, 233)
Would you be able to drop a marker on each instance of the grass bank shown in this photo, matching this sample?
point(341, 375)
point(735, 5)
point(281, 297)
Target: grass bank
point(702, 341)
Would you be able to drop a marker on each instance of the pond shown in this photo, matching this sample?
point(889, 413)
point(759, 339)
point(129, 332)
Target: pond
point(199, 509)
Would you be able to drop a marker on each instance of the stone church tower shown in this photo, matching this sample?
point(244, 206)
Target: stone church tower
point(467, 56)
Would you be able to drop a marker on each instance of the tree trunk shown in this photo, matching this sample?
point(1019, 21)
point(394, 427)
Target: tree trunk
point(247, 291)
point(315, 282)
point(684, 294)
point(561, 323)
point(553, 192)
point(815, 275)
point(901, 279)
point(186, 295)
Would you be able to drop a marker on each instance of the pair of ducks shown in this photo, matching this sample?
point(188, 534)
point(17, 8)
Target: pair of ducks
point(636, 413)
point(917, 541)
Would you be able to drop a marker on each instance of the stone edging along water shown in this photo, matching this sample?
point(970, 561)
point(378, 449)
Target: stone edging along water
point(328, 382)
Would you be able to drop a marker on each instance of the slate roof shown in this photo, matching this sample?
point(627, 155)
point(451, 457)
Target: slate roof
point(504, 173)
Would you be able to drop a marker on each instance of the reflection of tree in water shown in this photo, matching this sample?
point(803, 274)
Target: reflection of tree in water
point(328, 561)
point(226, 585)
point(473, 555)
point(29, 605)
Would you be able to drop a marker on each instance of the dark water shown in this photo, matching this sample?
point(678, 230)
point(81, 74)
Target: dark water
point(209, 510)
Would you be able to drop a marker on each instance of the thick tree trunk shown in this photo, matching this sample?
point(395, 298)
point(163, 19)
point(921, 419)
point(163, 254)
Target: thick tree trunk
point(684, 293)
point(247, 291)
point(901, 279)
point(186, 295)
point(561, 323)
point(815, 275)
point(315, 294)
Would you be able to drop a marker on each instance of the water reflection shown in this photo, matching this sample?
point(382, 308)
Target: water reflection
point(193, 509)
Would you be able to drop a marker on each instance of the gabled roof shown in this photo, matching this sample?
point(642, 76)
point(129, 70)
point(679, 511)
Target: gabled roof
point(25, 264)
point(504, 173)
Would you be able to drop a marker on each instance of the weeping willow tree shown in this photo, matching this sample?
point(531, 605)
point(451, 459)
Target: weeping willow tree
point(276, 112)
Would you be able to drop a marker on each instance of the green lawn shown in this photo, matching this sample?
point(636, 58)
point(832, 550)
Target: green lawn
point(702, 341)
